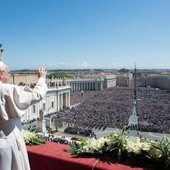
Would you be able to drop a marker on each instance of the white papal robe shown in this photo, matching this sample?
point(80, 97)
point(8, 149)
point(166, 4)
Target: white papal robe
point(14, 100)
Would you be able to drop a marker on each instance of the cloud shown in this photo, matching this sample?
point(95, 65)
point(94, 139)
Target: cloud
point(80, 65)
point(84, 64)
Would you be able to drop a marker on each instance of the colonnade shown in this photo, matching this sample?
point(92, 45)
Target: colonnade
point(86, 84)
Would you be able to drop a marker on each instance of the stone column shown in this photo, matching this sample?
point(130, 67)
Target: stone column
point(64, 100)
point(101, 85)
point(61, 99)
point(58, 102)
point(74, 86)
point(68, 99)
point(79, 86)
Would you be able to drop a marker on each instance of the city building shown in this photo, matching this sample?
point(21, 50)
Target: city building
point(56, 99)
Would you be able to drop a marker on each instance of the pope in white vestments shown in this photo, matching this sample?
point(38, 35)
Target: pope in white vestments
point(14, 100)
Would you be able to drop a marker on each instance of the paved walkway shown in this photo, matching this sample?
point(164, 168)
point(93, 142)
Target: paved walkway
point(107, 131)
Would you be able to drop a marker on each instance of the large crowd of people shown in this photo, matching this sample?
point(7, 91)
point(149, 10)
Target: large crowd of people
point(103, 108)
point(154, 110)
point(112, 108)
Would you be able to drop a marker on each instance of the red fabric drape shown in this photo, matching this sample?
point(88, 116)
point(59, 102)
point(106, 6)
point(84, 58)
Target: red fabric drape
point(51, 156)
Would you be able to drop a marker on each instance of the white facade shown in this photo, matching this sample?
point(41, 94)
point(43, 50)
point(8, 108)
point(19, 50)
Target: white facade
point(56, 99)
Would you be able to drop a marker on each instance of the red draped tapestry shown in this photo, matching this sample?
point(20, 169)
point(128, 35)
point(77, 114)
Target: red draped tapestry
point(51, 156)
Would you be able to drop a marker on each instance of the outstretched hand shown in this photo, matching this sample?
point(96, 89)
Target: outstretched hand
point(42, 72)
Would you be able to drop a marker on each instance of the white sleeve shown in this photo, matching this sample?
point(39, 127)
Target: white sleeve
point(25, 96)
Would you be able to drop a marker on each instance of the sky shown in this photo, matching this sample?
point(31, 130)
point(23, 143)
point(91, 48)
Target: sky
point(85, 34)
